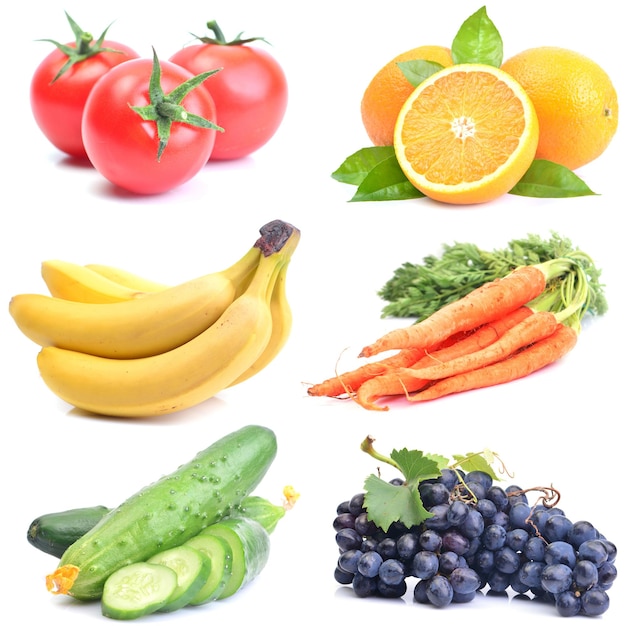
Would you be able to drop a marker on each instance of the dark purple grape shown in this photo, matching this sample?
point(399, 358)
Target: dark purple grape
point(348, 561)
point(594, 602)
point(355, 505)
point(560, 552)
point(494, 537)
point(369, 564)
point(454, 541)
point(363, 586)
point(556, 578)
point(343, 578)
point(348, 539)
point(392, 572)
point(568, 604)
point(464, 580)
point(430, 540)
point(343, 520)
point(581, 531)
point(425, 564)
point(439, 591)
point(585, 574)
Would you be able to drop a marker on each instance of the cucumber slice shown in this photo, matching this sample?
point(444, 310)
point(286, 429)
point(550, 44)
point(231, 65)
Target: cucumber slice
point(250, 545)
point(192, 569)
point(219, 554)
point(137, 589)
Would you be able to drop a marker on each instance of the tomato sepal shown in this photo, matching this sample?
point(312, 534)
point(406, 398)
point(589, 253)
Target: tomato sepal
point(85, 46)
point(164, 109)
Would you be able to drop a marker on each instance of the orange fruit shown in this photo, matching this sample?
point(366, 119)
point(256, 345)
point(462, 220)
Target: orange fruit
point(388, 90)
point(575, 100)
point(467, 134)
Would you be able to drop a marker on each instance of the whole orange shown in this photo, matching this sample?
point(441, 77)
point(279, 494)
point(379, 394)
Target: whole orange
point(389, 90)
point(575, 101)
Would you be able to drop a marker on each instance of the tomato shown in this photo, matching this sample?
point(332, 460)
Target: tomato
point(57, 103)
point(153, 152)
point(250, 91)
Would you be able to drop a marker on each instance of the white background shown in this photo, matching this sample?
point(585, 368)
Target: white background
point(558, 427)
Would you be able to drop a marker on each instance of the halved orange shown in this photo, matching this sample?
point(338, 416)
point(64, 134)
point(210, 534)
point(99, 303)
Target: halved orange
point(466, 134)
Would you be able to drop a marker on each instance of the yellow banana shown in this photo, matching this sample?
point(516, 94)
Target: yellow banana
point(145, 326)
point(281, 327)
point(182, 377)
point(125, 278)
point(71, 281)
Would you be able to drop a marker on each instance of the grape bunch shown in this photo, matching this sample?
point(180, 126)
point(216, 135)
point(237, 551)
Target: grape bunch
point(480, 536)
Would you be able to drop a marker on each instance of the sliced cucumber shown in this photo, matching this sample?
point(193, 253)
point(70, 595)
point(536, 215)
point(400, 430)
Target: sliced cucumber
point(192, 569)
point(220, 555)
point(137, 589)
point(250, 545)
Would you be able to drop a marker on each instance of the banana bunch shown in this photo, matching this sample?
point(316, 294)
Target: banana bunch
point(116, 344)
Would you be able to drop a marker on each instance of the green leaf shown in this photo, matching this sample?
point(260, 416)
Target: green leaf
point(386, 181)
point(546, 179)
point(478, 41)
point(419, 70)
point(415, 466)
point(387, 503)
point(478, 462)
point(358, 165)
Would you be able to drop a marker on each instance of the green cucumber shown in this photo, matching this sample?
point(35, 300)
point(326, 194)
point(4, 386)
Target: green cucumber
point(260, 510)
point(168, 512)
point(220, 555)
point(250, 545)
point(137, 589)
point(192, 569)
point(54, 533)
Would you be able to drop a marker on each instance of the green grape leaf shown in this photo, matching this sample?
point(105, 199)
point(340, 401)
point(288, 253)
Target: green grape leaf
point(418, 70)
point(478, 41)
point(415, 466)
point(386, 181)
point(387, 503)
point(476, 461)
point(358, 165)
point(546, 179)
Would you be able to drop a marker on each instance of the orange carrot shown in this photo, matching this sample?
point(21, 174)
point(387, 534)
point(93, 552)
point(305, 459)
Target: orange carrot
point(482, 337)
point(401, 381)
point(489, 302)
point(392, 383)
point(349, 382)
point(538, 326)
point(522, 363)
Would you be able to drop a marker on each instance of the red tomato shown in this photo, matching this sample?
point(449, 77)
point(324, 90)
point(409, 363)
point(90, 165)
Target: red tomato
point(58, 104)
point(123, 147)
point(250, 93)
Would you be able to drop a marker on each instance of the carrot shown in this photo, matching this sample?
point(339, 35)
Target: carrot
point(538, 326)
point(401, 381)
point(522, 363)
point(487, 303)
point(349, 382)
point(393, 383)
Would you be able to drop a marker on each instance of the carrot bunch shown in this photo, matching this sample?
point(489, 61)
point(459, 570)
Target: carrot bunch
point(501, 331)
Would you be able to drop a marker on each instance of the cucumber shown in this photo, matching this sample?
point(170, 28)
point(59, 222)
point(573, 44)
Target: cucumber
point(137, 589)
point(250, 545)
point(54, 533)
point(220, 555)
point(168, 512)
point(192, 569)
point(260, 510)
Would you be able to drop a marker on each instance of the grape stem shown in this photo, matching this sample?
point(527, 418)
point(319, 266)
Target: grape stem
point(550, 499)
point(367, 446)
